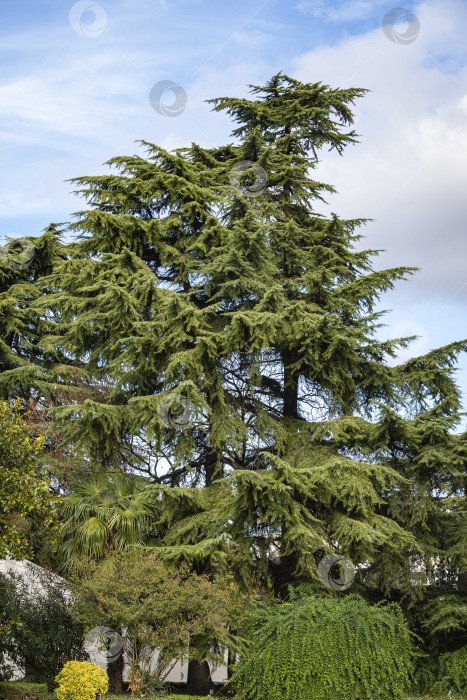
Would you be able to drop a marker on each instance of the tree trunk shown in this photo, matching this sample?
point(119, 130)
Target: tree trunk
point(212, 467)
point(199, 680)
point(213, 462)
point(115, 674)
point(290, 408)
point(283, 567)
point(231, 658)
point(31, 670)
point(282, 570)
point(462, 582)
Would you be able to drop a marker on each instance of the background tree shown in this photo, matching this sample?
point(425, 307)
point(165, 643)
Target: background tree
point(22, 262)
point(41, 632)
point(28, 371)
point(27, 504)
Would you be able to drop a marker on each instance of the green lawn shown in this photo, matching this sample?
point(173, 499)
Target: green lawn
point(197, 697)
point(149, 697)
point(127, 696)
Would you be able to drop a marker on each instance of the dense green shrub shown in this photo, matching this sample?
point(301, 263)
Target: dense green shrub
point(39, 633)
point(444, 674)
point(425, 673)
point(23, 691)
point(320, 648)
point(9, 623)
point(452, 675)
point(153, 686)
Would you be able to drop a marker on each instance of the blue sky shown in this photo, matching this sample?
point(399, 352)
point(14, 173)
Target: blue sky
point(74, 91)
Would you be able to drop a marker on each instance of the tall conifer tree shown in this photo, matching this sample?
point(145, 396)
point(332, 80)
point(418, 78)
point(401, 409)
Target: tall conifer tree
point(260, 311)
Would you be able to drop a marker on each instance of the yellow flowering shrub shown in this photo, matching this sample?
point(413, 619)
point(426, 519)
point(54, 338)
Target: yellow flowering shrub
point(79, 680)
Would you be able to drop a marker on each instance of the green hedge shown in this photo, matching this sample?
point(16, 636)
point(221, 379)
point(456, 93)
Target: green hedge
point(453, 672)
point(322, 648)
point(17, 690)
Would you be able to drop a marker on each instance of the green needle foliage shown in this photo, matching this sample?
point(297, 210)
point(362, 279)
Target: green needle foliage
point(22, 263)
point(43, 380)
point(453, 672)
point(192, 282)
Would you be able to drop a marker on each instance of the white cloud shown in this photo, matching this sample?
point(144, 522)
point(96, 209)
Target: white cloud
point(409, 171)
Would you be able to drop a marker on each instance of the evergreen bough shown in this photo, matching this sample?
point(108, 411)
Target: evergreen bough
point(318, 648)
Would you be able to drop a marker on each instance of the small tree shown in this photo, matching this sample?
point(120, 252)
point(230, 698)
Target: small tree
point(160, 607)
point(102, 514)
point(27, 503)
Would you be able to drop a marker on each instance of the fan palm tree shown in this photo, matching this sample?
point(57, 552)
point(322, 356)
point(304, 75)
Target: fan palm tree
point(103, 514)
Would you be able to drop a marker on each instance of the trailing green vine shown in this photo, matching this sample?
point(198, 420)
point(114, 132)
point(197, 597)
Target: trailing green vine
point(453, 672)
point(319, 648)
